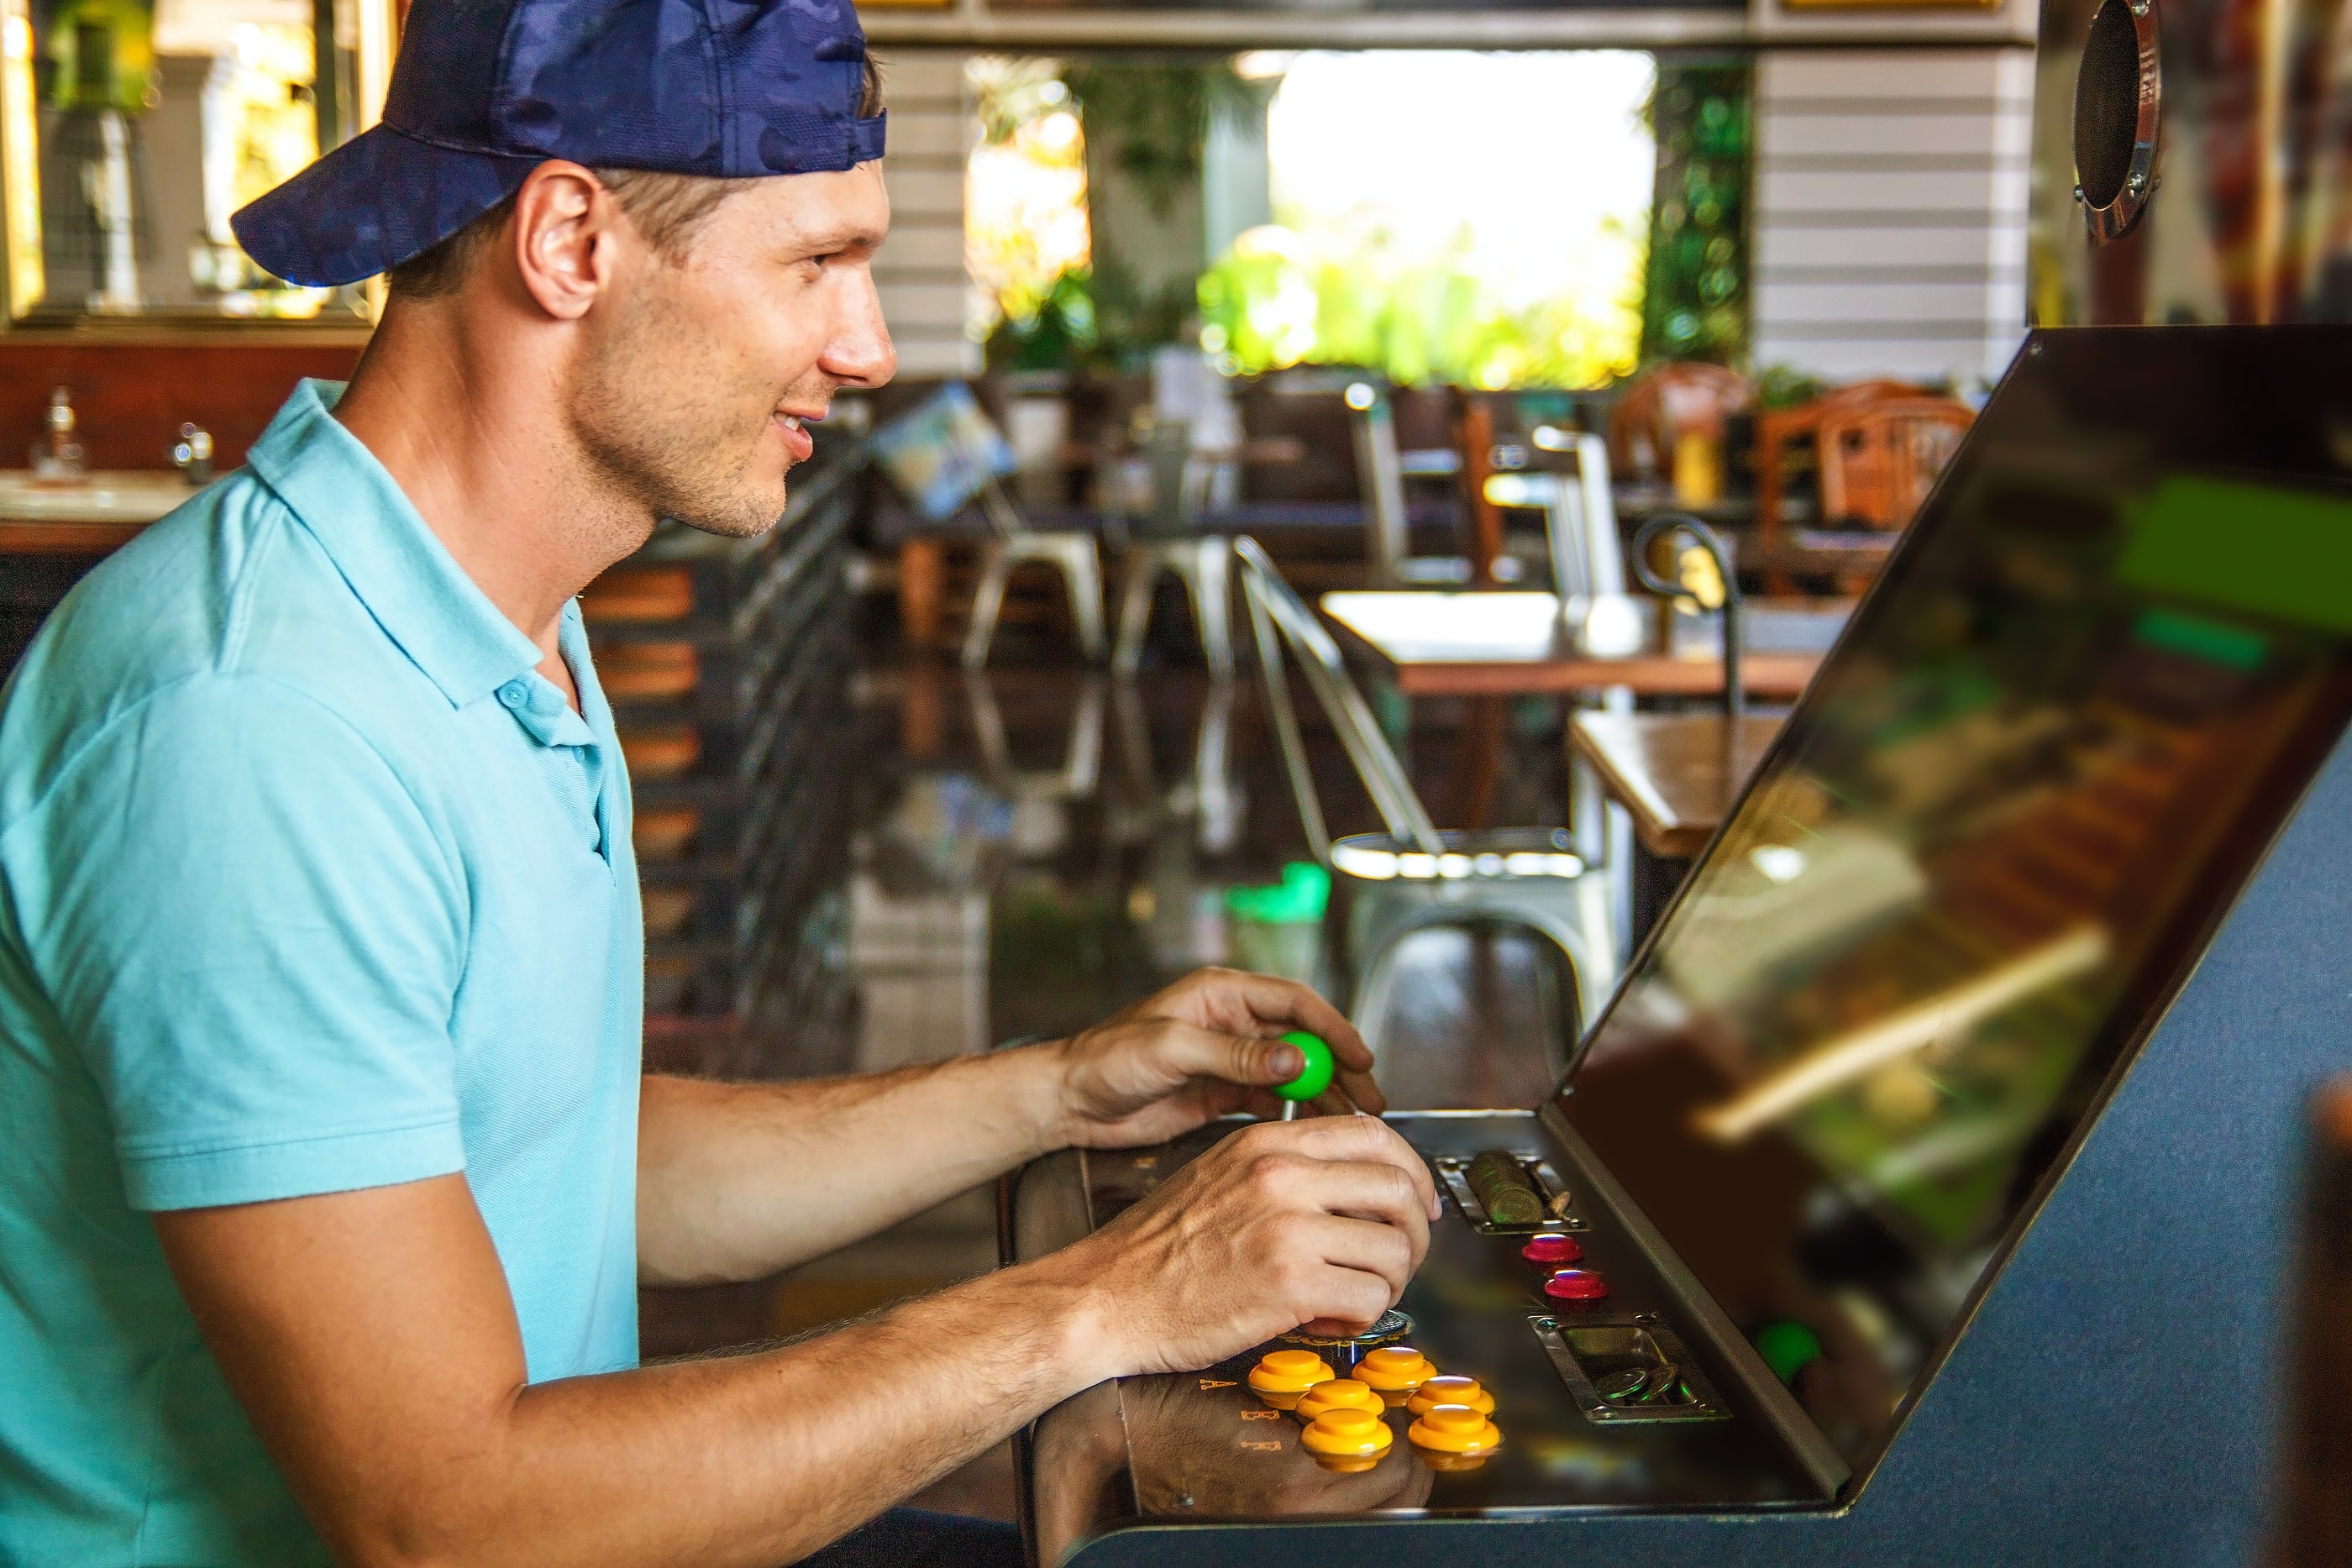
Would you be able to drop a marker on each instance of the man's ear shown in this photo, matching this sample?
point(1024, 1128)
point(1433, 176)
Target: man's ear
point(564, 233)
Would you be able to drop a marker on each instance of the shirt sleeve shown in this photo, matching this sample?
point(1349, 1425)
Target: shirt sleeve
point(252, 935)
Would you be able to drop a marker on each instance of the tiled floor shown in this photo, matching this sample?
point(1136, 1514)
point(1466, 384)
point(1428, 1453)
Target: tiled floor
point(1039, 847)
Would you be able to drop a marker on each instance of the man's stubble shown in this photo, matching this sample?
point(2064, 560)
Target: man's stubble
point(658, 417)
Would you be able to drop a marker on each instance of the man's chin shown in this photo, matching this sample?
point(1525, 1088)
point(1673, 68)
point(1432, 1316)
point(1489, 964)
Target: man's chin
point(745, 517)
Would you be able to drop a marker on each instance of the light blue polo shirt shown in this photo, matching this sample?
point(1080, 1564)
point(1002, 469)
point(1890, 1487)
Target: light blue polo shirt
point(307, 883)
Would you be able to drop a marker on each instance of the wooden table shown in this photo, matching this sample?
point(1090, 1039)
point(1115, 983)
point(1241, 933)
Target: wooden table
point(1437, 643)
point(1671, 772)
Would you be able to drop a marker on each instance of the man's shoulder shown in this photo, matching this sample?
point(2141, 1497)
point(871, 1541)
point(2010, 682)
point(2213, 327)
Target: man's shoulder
point(227, 602)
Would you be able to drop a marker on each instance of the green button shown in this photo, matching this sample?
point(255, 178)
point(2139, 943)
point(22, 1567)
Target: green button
point(1316, 1077)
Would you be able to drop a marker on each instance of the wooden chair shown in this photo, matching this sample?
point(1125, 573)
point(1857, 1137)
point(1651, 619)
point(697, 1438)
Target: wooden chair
point(1879, 461)
point(1784, 432)
point(1660, 404)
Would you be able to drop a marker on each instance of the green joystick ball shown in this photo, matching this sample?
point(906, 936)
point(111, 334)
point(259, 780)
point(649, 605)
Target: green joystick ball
point(1317, 1076)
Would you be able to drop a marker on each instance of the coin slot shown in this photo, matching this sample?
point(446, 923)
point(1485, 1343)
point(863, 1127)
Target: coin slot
point(1625, 1373)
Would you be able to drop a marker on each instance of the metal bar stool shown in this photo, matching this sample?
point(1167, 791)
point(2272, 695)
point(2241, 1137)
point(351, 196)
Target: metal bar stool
point(1170, 540)
point(946, 454)
point(1069, 552)
point(1415, 877)
point(1381, 473)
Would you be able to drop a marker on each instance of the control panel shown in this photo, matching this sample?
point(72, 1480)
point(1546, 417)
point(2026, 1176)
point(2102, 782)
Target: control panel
point(1538, 1360)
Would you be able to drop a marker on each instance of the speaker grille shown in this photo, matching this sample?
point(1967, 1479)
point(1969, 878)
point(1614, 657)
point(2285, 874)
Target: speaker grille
point(2107, 105)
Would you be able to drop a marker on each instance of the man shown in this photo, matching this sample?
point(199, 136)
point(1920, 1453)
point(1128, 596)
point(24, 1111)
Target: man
point(331, 1175)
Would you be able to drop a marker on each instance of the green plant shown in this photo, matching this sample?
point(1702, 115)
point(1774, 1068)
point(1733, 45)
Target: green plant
point(1057, 332)
point(1345, 297)
point(1785, 386)
point(1154, 118)
point(1694, 303)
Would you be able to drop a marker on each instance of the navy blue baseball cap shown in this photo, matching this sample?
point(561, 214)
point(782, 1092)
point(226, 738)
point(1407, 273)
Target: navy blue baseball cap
point(485, 91)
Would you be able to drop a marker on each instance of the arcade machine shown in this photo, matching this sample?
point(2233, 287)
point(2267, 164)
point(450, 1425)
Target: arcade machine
point(1922, 1194)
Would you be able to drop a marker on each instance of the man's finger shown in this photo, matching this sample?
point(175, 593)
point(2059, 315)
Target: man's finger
point(1368, 1189)
point(1286, 1004)
point(1359, 1247)
point(1302, 1006)
point(1259, 1063)
point(1342, 1098)
point(1347, 1139)
point(1350, 1054)
point(1382, 1194)
point(1363, 1094)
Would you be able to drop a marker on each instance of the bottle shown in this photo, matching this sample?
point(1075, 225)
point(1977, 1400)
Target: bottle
point(1698, 468)
point(56, 455)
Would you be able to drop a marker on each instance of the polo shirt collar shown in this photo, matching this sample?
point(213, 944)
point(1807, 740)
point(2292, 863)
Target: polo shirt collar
point(539, 708)
point(396, 564)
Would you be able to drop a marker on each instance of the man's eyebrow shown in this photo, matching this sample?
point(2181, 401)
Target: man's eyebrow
point(843, 236)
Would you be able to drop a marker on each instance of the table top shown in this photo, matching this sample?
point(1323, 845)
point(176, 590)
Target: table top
point(104, 512)
point(1673, 773)
point(1437, 643)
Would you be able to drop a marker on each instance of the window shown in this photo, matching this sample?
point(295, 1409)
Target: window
point(131, 129)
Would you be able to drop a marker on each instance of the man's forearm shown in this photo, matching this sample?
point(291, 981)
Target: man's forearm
point(736, 1181)
point(758, 1459)
point(753, 1459)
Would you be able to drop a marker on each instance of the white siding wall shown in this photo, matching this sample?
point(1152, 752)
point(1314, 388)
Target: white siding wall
point(920, 270)
point(1889, 216)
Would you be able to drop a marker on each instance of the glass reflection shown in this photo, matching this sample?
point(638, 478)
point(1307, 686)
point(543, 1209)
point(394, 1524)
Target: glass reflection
point(2053, 747)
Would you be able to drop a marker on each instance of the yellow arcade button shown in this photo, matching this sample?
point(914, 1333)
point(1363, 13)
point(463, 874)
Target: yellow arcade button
point(1394, 1369)
point(1439, 1390)
point(1290, 1372)
point(1351, 1431)
point(1455, 1429)
point(1340, 1394)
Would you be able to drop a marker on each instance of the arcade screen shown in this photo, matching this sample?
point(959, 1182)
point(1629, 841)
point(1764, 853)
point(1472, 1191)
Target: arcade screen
point(2055, 740)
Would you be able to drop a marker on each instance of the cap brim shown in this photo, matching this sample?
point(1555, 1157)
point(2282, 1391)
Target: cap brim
point(370, 204)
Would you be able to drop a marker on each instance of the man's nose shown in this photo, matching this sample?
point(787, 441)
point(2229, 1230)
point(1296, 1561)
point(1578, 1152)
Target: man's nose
point(861, 353)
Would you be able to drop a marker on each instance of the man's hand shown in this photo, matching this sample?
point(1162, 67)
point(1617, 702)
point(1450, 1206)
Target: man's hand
point(1282, 1224)
point(1208, 1045)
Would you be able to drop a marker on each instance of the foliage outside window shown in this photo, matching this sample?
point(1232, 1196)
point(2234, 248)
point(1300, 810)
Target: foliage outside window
point(1027, 244)
point(1695, 302)
point(1394, 244)
point(1403, 242)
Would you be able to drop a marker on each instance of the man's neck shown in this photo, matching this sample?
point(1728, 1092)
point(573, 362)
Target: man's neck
point(469, 425)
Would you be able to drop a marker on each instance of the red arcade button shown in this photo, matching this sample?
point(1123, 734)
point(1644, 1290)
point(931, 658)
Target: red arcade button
point(1576, 1285)
point(1551, 1249)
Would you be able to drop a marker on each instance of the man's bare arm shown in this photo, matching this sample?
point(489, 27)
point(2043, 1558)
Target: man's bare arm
point(370, 1337)
point(738, 1181)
